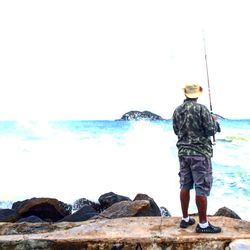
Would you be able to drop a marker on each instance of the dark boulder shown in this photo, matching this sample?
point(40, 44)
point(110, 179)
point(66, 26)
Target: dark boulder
point(138, 115)
point(84, 213)
point(78, 204)
point(8, 215)
point(224, 211)
point(48, 209)
point(108, 199)
point(153, 209)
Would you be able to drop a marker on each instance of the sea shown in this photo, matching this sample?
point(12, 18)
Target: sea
point(73, 159)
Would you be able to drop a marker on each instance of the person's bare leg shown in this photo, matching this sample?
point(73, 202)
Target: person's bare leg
point(201, 203)
point(184, 197)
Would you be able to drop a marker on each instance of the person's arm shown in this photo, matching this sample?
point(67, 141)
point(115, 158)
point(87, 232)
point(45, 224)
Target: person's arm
point(175, 126)
point(210, 125)
point(217, 125)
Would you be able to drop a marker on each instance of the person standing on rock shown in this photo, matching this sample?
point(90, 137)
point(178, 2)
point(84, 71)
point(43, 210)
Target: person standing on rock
point(194, 125)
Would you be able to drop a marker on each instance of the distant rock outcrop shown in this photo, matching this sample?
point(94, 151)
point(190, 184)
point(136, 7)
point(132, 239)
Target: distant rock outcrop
point(138, 115)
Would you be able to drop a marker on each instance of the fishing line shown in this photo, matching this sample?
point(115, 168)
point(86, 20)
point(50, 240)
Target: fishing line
point(208, 82)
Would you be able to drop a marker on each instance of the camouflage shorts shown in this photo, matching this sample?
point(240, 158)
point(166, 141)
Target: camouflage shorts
point(196, 171)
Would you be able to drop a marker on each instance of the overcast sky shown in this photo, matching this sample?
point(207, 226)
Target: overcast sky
point(100, 59)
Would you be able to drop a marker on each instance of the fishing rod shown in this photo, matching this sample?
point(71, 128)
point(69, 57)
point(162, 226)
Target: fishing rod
point(208, 83)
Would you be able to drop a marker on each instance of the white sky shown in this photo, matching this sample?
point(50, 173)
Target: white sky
point(100, 59)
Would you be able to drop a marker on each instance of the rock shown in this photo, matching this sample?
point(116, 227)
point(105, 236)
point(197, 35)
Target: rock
point(153, 209)
point(108, 199)
point(224, 211)
point(30, 219)
point(138, 115)
point(151, 233)
point(124, 209)
point(8, 215)
point(84, 213)
point(47, 209)
point(78, 204)
point(239, 245)
point(165, 212)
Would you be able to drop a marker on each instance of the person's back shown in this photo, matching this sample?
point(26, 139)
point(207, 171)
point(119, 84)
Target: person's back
point(194, 125)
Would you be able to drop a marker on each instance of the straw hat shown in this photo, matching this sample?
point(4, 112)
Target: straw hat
point(192, 90)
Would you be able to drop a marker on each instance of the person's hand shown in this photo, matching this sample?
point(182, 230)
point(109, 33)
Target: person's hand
point(214, 117)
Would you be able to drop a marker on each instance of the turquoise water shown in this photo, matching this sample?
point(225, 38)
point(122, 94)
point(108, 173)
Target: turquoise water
point(68, 160)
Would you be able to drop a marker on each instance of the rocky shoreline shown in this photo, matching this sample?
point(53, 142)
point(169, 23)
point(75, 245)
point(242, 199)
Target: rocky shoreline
point(109, 205)
point(114, 222)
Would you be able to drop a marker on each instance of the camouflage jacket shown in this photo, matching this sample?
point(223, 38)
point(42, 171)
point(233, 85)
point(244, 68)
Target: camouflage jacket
point(194, 125)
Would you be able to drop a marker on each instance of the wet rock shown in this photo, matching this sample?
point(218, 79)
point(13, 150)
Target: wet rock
point(84, 213)
point(108, 199)
point(153, 209)
point(227, 212)
point(138, 115)
point(8, 215)
point(47, 209)
point(124, 209)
